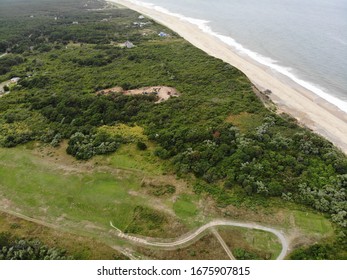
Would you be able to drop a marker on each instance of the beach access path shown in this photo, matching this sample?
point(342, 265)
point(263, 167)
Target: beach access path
point(291, 98)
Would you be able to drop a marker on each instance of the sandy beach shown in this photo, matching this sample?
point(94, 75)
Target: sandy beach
point(308, 108)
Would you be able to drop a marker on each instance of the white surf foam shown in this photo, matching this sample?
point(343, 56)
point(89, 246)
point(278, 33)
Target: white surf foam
point(266, 61)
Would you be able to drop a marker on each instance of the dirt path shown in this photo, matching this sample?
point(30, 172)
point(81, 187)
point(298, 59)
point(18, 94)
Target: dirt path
point(224, 245)
point(36, 221)
point(183, 240)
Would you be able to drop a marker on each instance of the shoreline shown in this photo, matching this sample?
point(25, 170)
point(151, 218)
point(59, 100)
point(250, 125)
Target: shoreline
point(308, 108)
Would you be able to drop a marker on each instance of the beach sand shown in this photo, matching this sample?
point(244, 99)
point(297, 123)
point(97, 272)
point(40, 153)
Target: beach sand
point(308, 108)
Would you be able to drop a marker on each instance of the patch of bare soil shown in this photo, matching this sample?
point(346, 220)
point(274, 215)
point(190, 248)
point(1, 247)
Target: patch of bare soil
point(4, 202)
point(160, 185)
point(59, 159)
point(162, 92)
point(155, 203)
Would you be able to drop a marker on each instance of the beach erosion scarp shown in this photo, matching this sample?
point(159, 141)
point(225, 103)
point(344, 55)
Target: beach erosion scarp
point(308, 108)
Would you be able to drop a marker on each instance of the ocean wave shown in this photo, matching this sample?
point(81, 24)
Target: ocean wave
point(266, 61)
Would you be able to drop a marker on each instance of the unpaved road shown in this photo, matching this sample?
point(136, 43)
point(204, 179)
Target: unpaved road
point(224, 245)
point(183, 240)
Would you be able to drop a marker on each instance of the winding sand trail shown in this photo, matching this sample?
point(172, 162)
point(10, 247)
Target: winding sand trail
point(196, 234)
point(222, 242)
point(182, 240)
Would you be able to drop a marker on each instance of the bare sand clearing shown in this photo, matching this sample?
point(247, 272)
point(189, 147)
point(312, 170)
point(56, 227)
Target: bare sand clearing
point(309, 109)
point(162, 92)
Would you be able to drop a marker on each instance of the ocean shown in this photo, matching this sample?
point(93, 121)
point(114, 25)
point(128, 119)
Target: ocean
point(305, 40)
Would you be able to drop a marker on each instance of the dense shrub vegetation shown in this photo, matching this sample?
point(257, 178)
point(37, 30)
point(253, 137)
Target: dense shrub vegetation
point(21, 249)
point(325, 250)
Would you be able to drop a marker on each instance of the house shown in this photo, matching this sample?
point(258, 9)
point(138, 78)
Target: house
point(163, 34)
point(129, 45)
point(15, 80)
point(140, 24)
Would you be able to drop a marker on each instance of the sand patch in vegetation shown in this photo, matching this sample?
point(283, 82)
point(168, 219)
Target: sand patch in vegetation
point(162, 92)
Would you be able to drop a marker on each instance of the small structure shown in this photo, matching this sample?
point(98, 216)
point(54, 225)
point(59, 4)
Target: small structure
point(15, 80)
point(129, 45)
point(141, 17)
point(140, 24)
point(163, 34)
point(75, 22)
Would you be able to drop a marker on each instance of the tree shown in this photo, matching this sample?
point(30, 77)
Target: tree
point(3, 46)
point(141, 146)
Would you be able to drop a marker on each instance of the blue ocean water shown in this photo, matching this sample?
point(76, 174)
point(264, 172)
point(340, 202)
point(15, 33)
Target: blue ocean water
point(306, 40)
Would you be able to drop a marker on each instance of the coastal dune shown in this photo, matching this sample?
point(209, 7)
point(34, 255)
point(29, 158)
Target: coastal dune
point(305, 106)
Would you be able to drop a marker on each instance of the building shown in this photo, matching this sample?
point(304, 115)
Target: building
point(163, 34)
point(15, 80)
point(129, 45)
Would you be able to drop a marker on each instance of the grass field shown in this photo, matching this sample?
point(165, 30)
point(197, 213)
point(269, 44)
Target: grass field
point(262, 244)
point(82, 197)
point(185, 206)
point(128, 157)
point(313, 223)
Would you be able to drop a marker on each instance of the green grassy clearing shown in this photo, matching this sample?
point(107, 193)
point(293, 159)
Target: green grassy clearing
point(246, 122)
point(129, 157)
point(185, 207)
point(313, 223)
point(63, 196)
point(260, 244)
